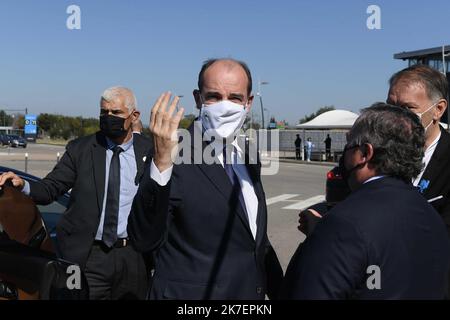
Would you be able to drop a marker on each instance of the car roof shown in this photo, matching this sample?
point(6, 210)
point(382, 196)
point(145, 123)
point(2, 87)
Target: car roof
point(21, 174)
point(28, 177)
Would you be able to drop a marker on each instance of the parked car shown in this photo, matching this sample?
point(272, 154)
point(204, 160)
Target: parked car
point(30, 267)
point(17, 141)
point(4, 140)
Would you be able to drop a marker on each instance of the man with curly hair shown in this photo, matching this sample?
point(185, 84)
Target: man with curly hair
point(385, 241)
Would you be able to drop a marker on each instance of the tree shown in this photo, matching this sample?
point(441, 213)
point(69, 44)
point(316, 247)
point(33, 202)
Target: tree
point(187, 121)
point(318, 112)
point(5, 119)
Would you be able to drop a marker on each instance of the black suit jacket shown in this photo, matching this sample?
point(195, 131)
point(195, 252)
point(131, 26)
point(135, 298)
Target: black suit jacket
point(438, 175)
point(204, 248)
point(386, 223)
point(82, 169)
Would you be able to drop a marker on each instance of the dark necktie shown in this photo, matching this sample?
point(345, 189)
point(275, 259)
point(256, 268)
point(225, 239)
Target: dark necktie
point(234, 179)
point(112, 200)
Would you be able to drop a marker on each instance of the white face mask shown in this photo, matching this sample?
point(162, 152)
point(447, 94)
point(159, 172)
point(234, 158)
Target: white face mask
point(422, 113)
point(222, 119)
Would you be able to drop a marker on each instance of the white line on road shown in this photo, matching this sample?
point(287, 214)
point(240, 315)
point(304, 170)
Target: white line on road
point(280, 198)
point(305, 203)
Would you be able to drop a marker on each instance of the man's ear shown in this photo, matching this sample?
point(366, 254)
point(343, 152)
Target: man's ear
point(440, 109)
point(367, 152)
point(250, 102)
point(198, 100)
point(135, 115)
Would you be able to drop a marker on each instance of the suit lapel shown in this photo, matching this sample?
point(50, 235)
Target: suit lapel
point(438, 162)
point(218, 177)
point(140, 153)
point(99, 161)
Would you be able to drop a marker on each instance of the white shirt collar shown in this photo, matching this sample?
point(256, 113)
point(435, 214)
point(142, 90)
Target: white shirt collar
point(373, 179)
point(427, 158)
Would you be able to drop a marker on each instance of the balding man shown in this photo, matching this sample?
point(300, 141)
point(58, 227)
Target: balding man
point(206, 220)
point(103, 170)
point(424, 91)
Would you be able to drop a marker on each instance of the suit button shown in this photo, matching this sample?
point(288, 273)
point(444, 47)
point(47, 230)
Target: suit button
point(259, 290)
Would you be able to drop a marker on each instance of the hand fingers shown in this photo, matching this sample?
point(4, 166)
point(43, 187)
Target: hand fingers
point(7, 176)
point(173, 106)
point(314, 212)
point(154, 111)
point(16, 182)
point(175, 121)
point(161, 113)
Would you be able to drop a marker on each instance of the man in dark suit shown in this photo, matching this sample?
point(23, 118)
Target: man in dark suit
point(206, 220)
point(103, 171)
point(384, 241)
point(424, 91)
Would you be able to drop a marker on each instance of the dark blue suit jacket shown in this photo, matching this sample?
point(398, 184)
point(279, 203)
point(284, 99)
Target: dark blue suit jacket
point(385, 223)
point(200, 236)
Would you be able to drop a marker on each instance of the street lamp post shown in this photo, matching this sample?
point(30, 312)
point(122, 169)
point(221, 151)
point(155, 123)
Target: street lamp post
point(260, 83)
point(179, 96)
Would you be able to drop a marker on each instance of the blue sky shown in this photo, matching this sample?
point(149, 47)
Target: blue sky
point(313, 53)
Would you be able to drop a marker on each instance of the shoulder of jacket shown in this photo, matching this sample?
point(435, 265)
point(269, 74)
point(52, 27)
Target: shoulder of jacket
point(81, 142)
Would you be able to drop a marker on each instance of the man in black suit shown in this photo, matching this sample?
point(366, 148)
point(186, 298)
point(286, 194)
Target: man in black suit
point(103, 170)
point(206, 220)
point(424, 91)
point(384, 241)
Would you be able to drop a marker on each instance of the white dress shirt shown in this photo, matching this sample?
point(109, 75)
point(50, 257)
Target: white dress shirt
point(248, 191)
point(426, 159)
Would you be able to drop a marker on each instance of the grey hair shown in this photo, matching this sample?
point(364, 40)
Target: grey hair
point(397, 137)
point(434, 82)
point(118, 91)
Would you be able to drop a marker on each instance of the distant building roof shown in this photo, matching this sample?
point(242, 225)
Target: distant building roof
point(335, 119)
point(421, 53)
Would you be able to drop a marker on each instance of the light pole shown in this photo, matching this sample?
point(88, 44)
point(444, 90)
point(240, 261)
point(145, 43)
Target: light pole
point(260, 83)
point(179, 96)
point(268, 115)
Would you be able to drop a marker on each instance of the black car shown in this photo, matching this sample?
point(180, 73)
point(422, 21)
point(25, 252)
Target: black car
point(17, 141)
point(45, 270)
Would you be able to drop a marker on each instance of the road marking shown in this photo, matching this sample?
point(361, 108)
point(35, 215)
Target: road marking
point(280, 198)
point(300, 205)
